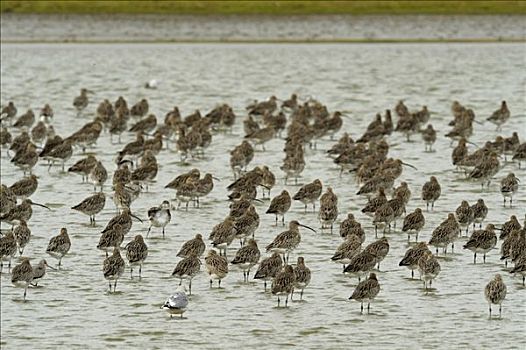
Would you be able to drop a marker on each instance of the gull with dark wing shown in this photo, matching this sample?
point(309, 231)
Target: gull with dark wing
point(176, 304)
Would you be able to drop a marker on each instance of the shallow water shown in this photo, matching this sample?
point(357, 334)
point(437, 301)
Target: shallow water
point(72, 307)
point(18, 27)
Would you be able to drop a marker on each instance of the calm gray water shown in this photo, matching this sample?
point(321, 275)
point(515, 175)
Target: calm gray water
point(16, 27)
point(72, 308)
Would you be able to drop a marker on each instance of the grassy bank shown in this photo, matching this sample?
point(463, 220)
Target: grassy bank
point(266, 7)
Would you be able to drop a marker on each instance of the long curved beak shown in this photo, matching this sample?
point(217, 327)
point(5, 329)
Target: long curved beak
point(257, 200)
point(479, 123)
point(51, 267)
point(268, 188)
point(136, 217)
point(42, 205)
point(409, 165)
point(472, 143)
point(215, 178)
point(307, 227)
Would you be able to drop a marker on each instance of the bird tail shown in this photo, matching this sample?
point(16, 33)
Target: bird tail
point(336, 256)
point(404, 262)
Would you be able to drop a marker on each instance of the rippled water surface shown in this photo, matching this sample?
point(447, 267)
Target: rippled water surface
point(73, 308)
point(19, 27)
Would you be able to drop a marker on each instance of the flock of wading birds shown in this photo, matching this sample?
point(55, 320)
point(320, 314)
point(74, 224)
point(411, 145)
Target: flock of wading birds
point(304, 123)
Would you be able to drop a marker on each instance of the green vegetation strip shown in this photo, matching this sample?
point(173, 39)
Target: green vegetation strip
point(266, 7)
